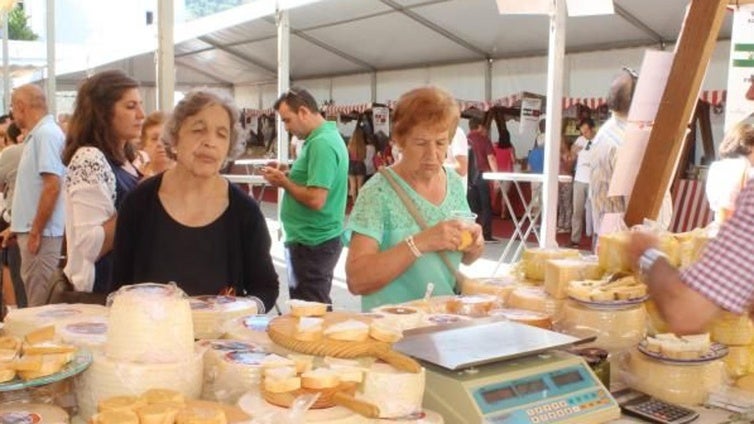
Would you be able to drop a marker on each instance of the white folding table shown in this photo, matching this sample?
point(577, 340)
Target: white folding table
point(524, 226)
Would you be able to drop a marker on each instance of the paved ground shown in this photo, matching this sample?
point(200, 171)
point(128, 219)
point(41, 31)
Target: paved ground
point(342, 299)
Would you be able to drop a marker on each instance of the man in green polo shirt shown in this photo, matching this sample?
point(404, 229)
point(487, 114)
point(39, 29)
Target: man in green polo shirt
point(314, 205)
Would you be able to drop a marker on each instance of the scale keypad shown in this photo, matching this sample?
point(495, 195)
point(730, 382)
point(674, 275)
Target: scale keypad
point(557, 410)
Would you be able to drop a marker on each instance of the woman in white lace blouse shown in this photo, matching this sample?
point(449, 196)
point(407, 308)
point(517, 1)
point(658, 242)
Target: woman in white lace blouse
point(390, 259)
point(108, 113)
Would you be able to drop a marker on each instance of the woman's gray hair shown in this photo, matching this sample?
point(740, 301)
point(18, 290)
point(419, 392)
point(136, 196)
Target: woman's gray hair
point(193, 103)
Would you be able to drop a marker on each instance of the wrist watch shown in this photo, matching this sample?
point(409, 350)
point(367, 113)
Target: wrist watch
point(648, 258)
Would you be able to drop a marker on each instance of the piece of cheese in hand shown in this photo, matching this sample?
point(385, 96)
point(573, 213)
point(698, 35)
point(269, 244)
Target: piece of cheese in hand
point(303, 308)
point(350, 330)
point(320, 378)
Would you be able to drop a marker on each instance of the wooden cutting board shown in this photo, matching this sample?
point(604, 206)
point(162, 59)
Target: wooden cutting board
point(282, 329)
point(342, 395)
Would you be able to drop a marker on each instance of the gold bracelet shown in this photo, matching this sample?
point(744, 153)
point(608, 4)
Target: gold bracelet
point(412, 246)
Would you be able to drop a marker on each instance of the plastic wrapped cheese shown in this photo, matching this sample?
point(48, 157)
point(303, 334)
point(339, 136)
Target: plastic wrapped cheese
point(611, 251)
point(20, 322)
point(533, 260)
point(685, 384)
point(498, 286)
point(251, 328)
point(209, 313)
point(150, 323)
point(615, 329)
point(560, 272)
point(32, 413)
point(89, 331)
point(106, 378)
point(231, 368)
point(401, 316)
point(732, 330)
point(396, 393)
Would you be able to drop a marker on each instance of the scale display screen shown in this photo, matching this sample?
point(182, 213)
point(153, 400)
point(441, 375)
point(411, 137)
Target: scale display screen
point(533, 386)
point(567, 378)
point(494, 396)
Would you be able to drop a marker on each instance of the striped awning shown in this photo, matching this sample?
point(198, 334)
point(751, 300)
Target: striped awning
point(690, 207)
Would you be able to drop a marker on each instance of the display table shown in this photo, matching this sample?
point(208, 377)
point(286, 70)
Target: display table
point(524, 226)
point(251, 180)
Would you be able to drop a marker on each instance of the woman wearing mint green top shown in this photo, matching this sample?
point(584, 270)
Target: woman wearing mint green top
point(390, 260)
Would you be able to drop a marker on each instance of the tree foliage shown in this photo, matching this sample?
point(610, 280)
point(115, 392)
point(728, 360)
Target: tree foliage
point(200, 8)
point(18, 25)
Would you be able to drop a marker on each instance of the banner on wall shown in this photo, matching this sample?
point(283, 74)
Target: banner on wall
point(531, 108)
point(740, 100)
point(381, 119)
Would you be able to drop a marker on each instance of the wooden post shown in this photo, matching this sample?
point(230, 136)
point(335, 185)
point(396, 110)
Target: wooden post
point(697, 40)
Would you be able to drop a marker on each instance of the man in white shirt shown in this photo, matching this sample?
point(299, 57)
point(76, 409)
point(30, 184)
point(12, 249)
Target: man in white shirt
point(581, 148)
point(458, 155)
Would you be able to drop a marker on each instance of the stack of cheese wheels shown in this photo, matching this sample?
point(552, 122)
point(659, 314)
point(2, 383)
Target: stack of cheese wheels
point(615, 329)
point(20, 322)
point(737, 332)
point(401, 316)
point(211, 312)
point(17, 412)
point(231, 368)
point(150, 344)
point(250, 328)
point(533, 260)
point(89, 331)
point(686, 384)
point(395, 392)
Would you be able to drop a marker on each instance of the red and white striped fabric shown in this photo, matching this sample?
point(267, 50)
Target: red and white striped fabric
point(690, 207)
point(345, 109)
point(593, 103)
point(468, 104)
point(713, 97)
point(509, 101)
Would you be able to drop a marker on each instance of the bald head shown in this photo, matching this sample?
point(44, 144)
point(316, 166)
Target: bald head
point(621, 93)
point(29, 105)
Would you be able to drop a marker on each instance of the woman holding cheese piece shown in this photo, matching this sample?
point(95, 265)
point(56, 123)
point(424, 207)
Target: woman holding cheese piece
point(391, 258)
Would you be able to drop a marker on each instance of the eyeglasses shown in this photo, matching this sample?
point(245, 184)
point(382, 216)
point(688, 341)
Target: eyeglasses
point(588, 145)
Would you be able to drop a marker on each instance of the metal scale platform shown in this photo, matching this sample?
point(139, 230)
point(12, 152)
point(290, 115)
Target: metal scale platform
point(501, 372)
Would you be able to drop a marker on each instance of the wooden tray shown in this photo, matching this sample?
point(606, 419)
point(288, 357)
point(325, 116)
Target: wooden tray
point(342, 395)
point(282, 329)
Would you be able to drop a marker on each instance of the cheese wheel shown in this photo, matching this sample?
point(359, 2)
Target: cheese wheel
point(302, 308)
point(150, 323)
point(402, 316)
point(533, 318)
point(533, 260)
point(682, 384)
point(89, 331)
point(732, 330)
point(472, 305)
point(395, 392)
point(209, 313)
point(320, 378)
point(250, 328)
point(535, 299)
point(612, 252)
point(231, 367)
point(349, 374)
point(560, 272)
point(615, 329)
point(116, 417)
point(501, 287)
point(16, 412)
point(201, 415)
point(106, 378)
point(158, 413)
point(20, 322)
point(384, 331)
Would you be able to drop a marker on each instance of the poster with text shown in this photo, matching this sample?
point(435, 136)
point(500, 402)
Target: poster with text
point(531, 109)
point(381, 119)
point(740, 99)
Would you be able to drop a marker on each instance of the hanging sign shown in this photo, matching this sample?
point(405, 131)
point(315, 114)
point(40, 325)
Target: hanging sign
point(740, 100)
point(531, 108)
point(381, 119)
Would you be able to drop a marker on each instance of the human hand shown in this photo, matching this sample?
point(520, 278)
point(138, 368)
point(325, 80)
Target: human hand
point(35, 240)
point(445, 235)
point(639, 242)
point(274, 176)
point(477, 243)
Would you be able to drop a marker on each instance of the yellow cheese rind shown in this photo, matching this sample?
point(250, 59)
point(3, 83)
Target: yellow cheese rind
point(533, 260)
point(612, 252)
point(560, 272)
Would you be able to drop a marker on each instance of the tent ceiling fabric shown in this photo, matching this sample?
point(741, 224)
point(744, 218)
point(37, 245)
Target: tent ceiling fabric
point(337, 37)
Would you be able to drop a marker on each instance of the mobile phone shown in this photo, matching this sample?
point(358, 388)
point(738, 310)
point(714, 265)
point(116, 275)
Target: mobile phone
point(642, 405)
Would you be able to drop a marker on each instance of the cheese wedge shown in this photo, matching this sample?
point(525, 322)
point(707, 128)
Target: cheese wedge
point(308, 329)
point(47, 347)
point(302, 308)
point(162, 395)
point(41, 335)
point(349, 374)
point(158, 413)
point(320, 378)
point(283, 385)
point(115, 417)
point(303, 362)
point(350, 330)
point(50, 365)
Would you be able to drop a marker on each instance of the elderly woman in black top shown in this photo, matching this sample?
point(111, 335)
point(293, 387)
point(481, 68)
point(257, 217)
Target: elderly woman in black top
point(189, 224)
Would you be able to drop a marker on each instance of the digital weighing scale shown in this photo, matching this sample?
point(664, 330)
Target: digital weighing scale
point(501, 372)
